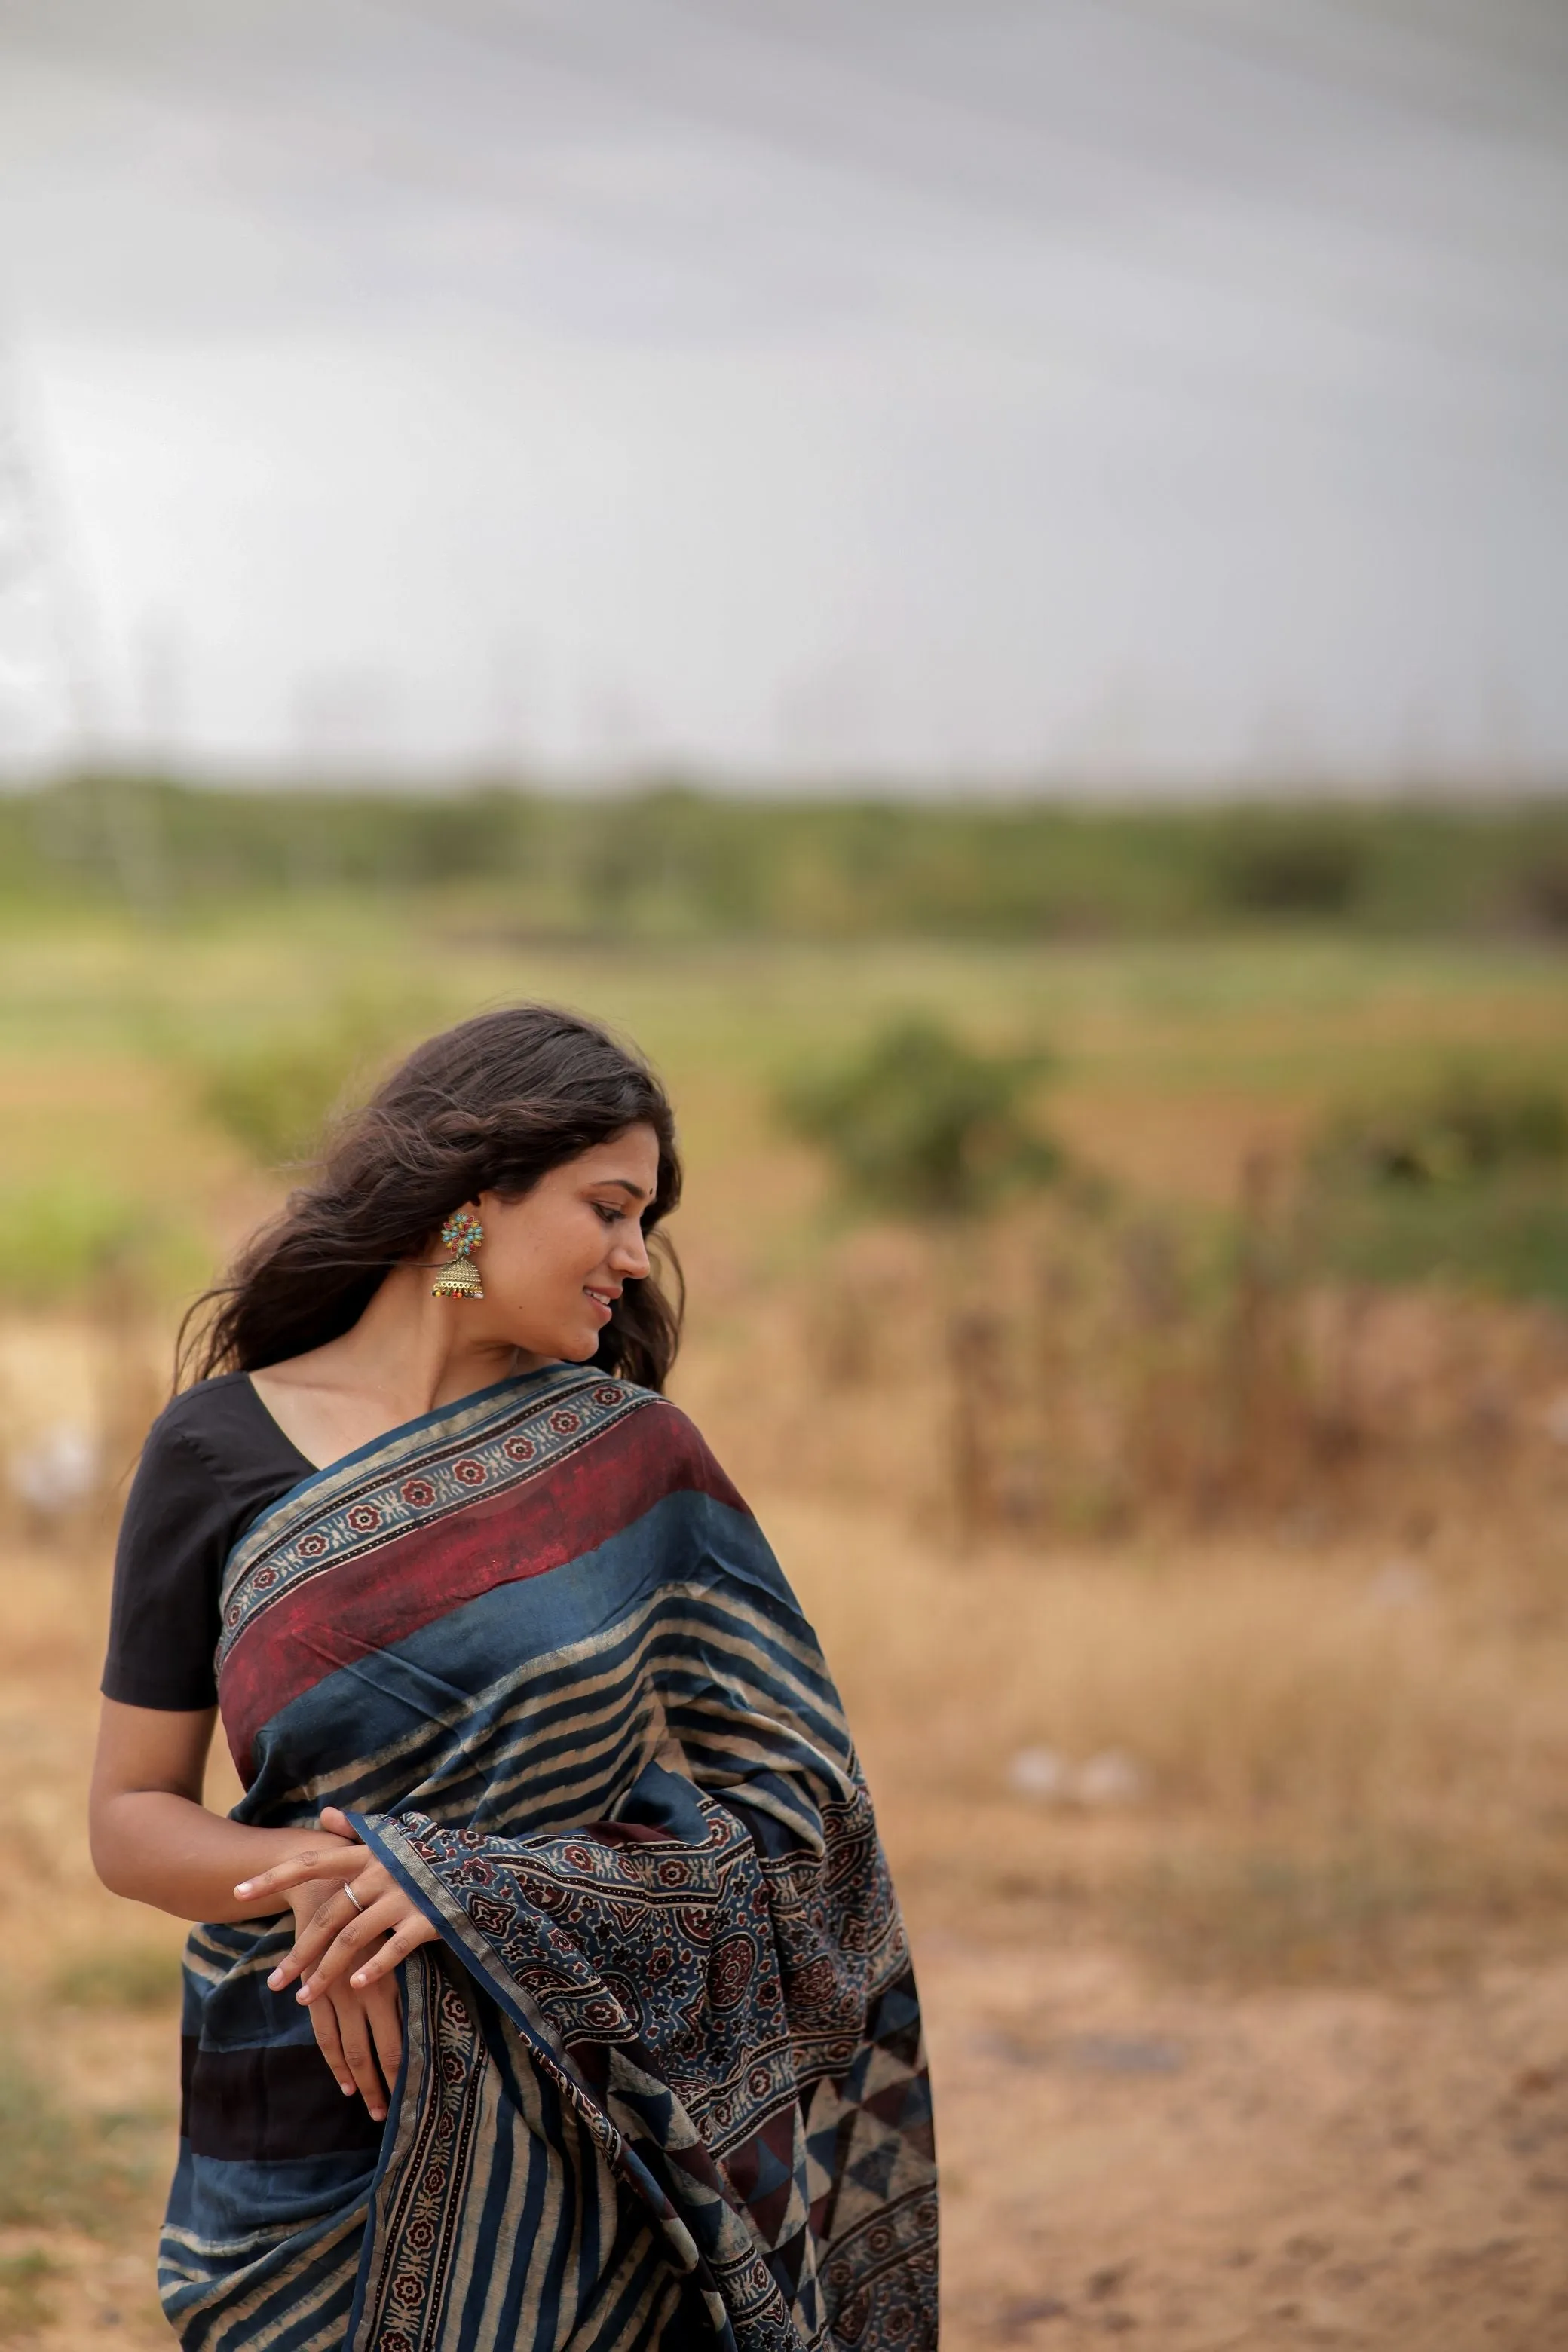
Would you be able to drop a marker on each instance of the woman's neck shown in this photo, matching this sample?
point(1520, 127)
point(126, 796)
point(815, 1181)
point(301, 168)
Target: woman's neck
point(408, 1354)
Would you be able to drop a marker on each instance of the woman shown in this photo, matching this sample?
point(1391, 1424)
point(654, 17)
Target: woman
point(552, 1990)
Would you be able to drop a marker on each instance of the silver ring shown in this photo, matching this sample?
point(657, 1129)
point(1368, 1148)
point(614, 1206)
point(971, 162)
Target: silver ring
point(354, 1898)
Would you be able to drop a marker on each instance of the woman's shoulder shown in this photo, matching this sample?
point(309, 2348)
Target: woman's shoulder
point(222, 1424)
point(675, 1426)
point(687, 1458)
point(192, 1414)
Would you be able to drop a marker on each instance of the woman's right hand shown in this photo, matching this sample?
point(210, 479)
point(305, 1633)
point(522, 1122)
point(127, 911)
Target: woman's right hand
point(360, 2034)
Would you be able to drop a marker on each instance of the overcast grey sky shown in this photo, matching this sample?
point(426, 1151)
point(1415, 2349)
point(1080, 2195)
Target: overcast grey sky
point(1149, 391)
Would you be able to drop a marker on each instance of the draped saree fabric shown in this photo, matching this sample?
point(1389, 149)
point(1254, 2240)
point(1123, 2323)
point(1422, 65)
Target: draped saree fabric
point(663, 2081)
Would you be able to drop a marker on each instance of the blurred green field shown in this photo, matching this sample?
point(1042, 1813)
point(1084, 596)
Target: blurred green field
point(1174, 1059)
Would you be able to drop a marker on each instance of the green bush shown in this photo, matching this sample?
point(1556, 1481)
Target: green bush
point(1509, 1238)
point(276, 1099)
point(1292, 866)
point(1460, 1181)
point(1470, 1125)
point(1542, 893)
point(921, 1124)
point(58, 1240)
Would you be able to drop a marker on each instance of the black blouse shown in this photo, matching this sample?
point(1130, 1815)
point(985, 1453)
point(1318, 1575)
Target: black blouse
point(214, 1460)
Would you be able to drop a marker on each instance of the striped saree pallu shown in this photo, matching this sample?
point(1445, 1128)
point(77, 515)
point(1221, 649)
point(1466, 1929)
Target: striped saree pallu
point(663, 2081)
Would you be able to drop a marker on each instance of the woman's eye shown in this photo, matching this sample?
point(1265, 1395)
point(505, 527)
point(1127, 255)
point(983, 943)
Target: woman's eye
point(605, 1215)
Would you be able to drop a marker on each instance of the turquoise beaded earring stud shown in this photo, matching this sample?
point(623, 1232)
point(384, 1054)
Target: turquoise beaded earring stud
point(461, 1234)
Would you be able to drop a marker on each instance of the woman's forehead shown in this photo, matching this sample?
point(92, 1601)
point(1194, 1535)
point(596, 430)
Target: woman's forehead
point(631, 1158)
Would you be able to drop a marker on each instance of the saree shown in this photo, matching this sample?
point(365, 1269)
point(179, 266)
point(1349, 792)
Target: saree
point(663, 2079)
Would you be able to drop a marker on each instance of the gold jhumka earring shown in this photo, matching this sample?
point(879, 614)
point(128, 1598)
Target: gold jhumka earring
point(462, 1233)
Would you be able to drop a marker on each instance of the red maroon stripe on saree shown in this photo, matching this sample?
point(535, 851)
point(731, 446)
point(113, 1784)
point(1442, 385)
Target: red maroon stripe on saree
point(383, 1596)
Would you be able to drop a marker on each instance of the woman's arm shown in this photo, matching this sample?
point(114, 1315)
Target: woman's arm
point(152, 1838)
point(154, 1841)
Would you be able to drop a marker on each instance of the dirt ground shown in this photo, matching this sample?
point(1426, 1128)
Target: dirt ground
point(1279, 2170)
point(1276, 2171)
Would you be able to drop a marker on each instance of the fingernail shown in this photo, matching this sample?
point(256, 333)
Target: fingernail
point(347, 2089)
point(378, 2114)
point(276, 1980)
point(245, 1886)
point(359, 1978)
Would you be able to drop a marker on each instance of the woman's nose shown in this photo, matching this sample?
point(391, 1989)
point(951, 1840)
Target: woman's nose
point(629, 1256)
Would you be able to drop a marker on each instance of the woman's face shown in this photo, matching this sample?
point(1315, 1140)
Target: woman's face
point(553, 1263)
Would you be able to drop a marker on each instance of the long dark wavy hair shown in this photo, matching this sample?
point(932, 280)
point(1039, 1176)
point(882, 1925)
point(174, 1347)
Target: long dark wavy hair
point(489, 1106)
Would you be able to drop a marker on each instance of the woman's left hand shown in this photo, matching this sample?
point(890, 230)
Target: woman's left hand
point(338, 1939)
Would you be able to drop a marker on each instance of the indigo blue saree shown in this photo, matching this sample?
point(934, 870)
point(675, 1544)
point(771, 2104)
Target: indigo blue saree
point(663, 2081)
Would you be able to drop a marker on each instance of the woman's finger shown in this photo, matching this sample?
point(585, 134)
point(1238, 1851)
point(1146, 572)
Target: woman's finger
point(336, 1911)
point(353, 2029)
point(311, 1940)
point(349, 1946)
point(325, 1863)
point(415, 1931)
point(383, 2008)
point(330, 2042)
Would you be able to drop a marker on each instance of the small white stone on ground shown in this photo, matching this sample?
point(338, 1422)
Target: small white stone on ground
point(1111, 1778)
point(1039, 1772)
point(1399, 1584)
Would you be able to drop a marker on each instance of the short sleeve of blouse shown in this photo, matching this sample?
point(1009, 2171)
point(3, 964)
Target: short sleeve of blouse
point(168, 1569)
point(214, 1460)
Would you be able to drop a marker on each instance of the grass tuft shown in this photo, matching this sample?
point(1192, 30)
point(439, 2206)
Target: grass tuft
point(56, 2170)
point(26, 2305)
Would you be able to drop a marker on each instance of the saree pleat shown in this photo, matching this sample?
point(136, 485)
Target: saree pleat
point(663, 2079)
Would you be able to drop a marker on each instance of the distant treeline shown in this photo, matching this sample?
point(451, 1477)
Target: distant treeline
point(672, 862)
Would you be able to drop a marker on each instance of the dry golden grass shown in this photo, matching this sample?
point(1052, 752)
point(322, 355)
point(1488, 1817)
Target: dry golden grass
point(1352, 1784)
point(1347, 1768)
point(1333, 1765)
